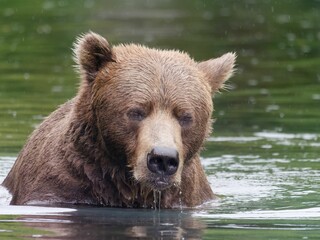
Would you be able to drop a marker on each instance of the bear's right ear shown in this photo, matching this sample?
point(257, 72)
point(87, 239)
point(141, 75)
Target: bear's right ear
point(91, 52)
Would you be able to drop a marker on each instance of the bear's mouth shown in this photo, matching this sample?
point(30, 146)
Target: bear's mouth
point(160, 183)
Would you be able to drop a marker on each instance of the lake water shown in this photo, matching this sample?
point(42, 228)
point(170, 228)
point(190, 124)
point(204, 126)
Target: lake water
point(263, 159)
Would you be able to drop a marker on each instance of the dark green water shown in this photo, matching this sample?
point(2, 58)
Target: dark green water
point(263, 159)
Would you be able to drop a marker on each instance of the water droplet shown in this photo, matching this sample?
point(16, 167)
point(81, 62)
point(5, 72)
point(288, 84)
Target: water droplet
point(180, 200)
point(154, 199)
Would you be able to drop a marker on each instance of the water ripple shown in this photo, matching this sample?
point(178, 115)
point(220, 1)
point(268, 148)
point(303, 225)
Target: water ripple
point(306, 213)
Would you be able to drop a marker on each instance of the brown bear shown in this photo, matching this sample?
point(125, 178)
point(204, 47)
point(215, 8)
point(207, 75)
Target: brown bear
point(135, 128)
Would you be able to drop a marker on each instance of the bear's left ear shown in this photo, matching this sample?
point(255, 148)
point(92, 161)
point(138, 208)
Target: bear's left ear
point(91, 52)
point(218, 70)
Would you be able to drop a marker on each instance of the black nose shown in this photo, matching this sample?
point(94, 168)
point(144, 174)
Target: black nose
point(163, 160)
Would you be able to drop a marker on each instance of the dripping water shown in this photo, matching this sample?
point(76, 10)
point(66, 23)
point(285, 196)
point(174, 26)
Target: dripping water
point(156, 199)
point(180, 200)
point(159, 195)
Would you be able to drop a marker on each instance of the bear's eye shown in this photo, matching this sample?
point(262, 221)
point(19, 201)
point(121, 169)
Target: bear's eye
point(185, 119)
point(136, 114)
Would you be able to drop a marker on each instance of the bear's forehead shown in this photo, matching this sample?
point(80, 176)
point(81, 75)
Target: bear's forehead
point(136, 62)
point(139, 55)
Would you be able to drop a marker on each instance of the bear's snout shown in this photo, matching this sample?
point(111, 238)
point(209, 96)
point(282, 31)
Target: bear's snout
point(163, 161)
point(158, 160)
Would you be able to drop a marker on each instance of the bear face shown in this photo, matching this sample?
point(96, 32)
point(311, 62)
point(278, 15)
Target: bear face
point(147, 106)
point(152, 108)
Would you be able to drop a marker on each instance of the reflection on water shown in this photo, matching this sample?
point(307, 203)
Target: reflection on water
point(94, 223)
point(263, 159)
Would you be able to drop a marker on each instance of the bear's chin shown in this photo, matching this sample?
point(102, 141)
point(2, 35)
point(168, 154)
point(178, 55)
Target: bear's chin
point(160, 183)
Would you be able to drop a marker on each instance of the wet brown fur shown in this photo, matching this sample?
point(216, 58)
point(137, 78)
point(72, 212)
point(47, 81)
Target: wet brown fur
point(89, 152)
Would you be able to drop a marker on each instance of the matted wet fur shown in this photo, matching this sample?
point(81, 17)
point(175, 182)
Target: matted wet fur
point(132, 101)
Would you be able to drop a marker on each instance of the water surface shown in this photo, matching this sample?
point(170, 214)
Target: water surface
point(263, 159)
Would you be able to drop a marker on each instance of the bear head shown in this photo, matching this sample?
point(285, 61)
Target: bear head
point(152, 108)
